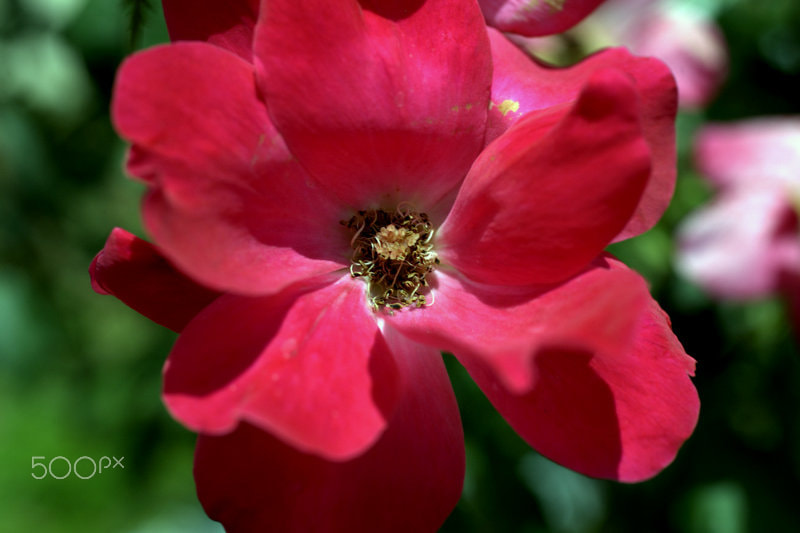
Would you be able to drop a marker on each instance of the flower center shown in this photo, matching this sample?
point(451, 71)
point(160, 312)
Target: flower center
point(393, 252)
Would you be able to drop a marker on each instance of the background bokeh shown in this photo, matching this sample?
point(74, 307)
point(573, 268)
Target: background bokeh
point(80, 373)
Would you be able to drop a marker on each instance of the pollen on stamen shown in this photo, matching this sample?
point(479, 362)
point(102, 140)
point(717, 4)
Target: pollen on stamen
point(393, 253)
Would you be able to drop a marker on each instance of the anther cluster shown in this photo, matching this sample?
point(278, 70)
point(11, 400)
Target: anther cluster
point(393, 252)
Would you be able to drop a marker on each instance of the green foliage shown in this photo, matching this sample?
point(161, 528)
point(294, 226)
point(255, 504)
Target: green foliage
point(137, 11)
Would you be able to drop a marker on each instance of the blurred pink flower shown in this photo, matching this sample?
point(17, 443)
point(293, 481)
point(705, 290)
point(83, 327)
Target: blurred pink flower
point(685, 38)
point(745, 243)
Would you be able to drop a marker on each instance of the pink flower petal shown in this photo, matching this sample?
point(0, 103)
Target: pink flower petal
point(520, 86)
point(536, 17)
point(409, 480)
point(762, 150)
point(227, 24)
point(227, 204)
point(737, 247)
point(611, 415)
point(617, 409)
point(380, 102)
point(541, 201)
point(506, 327)
point(308, 366)
point(135, 272)
point(687, 41)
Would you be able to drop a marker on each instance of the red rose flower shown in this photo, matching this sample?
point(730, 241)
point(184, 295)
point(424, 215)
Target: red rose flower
point(340, 190)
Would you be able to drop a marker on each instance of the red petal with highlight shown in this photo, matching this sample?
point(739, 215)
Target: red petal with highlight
point(611, 414)
point(528, 86)
point(135, 272)
point(227, 203)
point(588, 373)
point(540, 203)
point(506, 327)
point(310, 367)
point(409, 480)
point(380, 102)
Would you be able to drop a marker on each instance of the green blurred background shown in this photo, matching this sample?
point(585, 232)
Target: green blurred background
point(80, 373)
